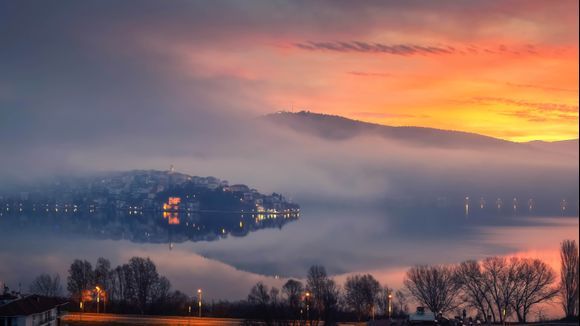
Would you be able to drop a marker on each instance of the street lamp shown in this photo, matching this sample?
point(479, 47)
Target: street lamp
point(101, 292)
point(390, 296)
point(98, 297)
point(308, 306)
point(199, 292)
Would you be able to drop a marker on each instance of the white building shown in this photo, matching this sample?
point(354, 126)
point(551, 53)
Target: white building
point(32, 310)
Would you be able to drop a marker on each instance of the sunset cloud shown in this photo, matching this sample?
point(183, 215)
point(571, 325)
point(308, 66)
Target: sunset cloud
point(414, 49)
point(396, 49)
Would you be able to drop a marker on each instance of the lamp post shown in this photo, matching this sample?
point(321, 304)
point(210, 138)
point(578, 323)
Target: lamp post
point(199, 292)
point(390, 301)
point(81, 306)
point(98, 289)
point(101, 293)
point(307, 298)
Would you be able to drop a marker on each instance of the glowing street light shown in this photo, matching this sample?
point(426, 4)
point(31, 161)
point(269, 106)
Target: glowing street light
point(390, 307)
point(307, 305)
point(199, 293)
point(98, 297)
point(101, 293)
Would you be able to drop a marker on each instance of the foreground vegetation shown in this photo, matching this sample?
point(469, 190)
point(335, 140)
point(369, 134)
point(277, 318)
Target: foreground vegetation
point(493, 290)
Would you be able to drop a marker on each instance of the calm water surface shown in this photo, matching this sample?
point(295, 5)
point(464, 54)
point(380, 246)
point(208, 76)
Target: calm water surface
point(227, 253)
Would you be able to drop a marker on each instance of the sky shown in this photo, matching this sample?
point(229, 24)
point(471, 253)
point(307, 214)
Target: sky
point(108, 85)
point(507, 69)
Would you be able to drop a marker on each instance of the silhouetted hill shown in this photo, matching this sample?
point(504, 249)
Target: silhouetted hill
point(335, 127)
point(563, 146)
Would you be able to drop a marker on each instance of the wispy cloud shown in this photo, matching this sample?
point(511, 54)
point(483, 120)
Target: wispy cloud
point(415, 49)
point(369, 74)
point(542, 87)
point(540, 106)
point(366, 47)
point(534, 111)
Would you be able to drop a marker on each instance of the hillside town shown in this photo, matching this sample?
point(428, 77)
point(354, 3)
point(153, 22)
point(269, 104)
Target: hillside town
point(144, 190)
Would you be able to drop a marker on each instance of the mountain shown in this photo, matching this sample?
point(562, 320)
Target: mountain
point(335, 127)
point(563, 146)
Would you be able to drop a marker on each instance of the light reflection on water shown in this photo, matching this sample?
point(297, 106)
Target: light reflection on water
point(383, 242)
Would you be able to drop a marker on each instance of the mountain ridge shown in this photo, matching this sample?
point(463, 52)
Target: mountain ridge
point(335, 127)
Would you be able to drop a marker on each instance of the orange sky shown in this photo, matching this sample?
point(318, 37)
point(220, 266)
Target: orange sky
point(507, 69)
point(512, 96)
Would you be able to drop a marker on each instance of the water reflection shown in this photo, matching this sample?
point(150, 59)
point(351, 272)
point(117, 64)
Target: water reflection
point(383, 241)
point(168, 226)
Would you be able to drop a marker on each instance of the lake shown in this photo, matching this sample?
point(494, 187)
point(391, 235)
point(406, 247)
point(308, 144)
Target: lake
point(225, 254)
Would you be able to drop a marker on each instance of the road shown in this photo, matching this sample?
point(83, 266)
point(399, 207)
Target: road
point(114, 319)
point(89, 319)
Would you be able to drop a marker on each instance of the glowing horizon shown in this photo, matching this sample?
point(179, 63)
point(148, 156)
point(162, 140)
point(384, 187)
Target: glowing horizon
point(511, 73)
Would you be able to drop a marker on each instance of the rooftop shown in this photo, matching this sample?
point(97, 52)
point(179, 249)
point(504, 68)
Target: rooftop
point(29, 305)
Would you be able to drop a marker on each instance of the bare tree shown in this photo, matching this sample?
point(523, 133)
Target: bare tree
point(316, 286)
point(401, 306)
point(80, 277)
point(330, 298)
point(569, 289)
point(161, 290)
point(102, 273)
point(46, 285)
point(534, 285)
point(260, 299)
point(501, 277)
point(259, 295)
point(292, 291)
point(433, 286)
point(324, 292)
point(470, 278)
point(144, 279)
point(123, 289)
point(361, 294)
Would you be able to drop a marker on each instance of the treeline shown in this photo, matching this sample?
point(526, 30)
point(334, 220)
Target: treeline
point(495, 289)
point(498, 288)
point(322, 299)
point(134, 287)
